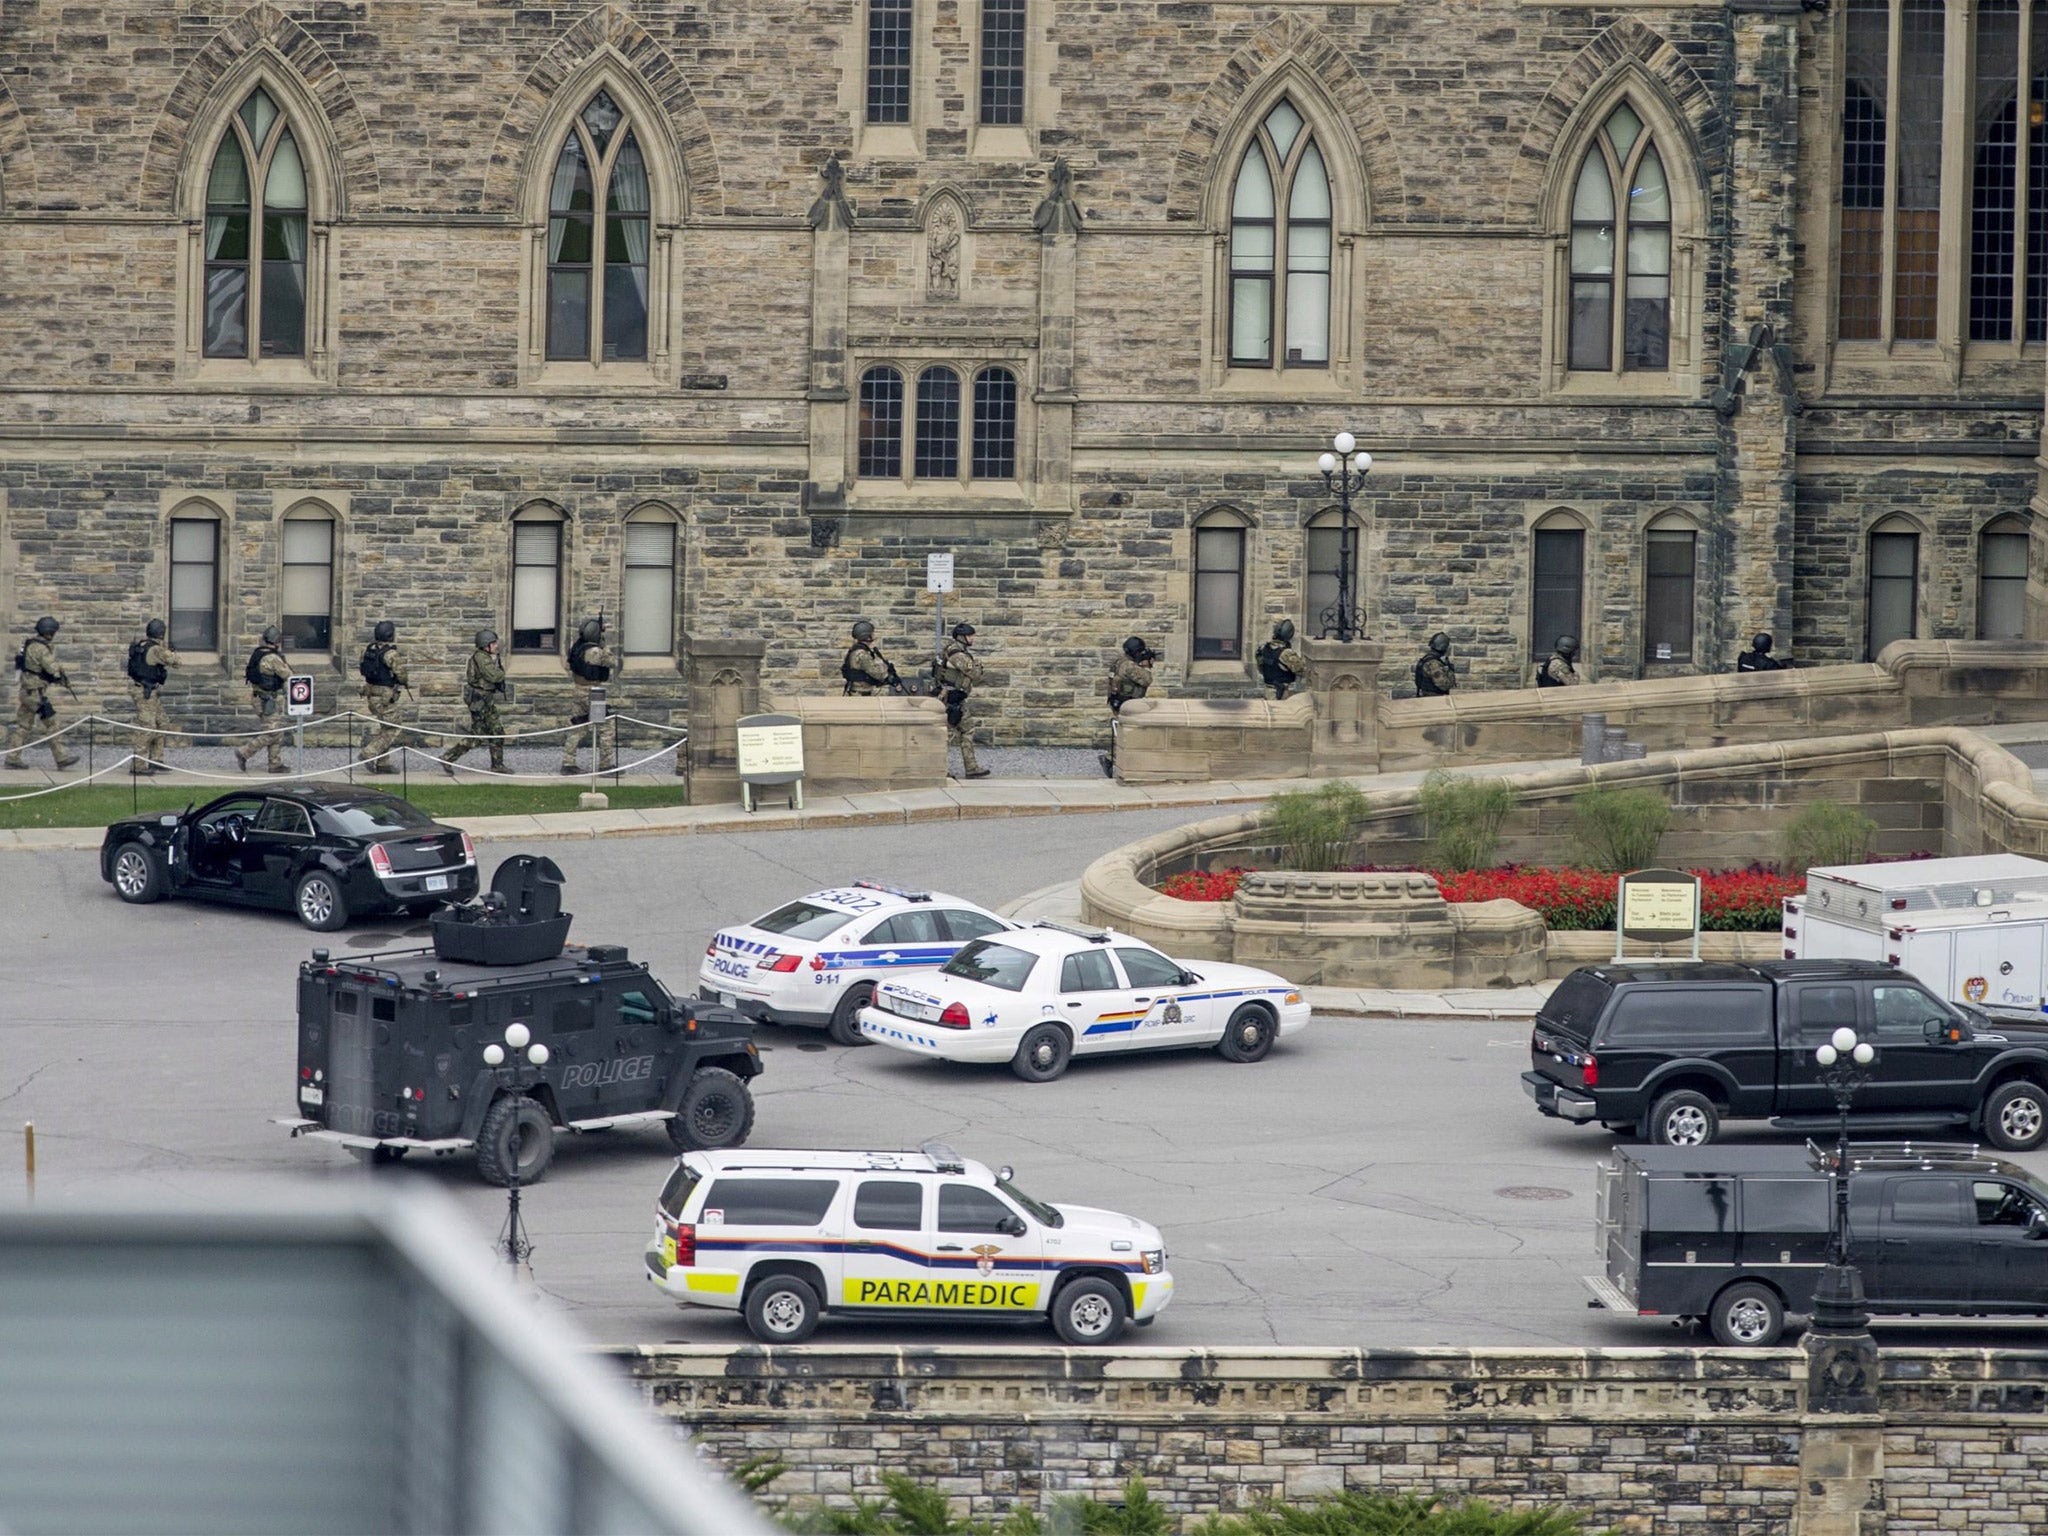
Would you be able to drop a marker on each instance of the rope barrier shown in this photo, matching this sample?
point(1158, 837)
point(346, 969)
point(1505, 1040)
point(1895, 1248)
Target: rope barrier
point(31, 794)
point(679, 732)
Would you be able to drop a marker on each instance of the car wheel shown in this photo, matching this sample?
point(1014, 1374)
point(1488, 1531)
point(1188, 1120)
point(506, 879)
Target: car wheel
point(2016, 1117)
point(516, 1133)
point(1089, 1311)
point(845, 1026)
point(1747, 1316)
point(782, 1310)
point(137, 875)
point(1043, 1053)
point(716, 1110)
point(1249, 1035)
point(1684, 1119)
point(318, 901)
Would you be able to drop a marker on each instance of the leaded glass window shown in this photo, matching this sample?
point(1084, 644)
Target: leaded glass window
point(1002, 62)
point(255, 299)
point(1621, 250)
point(599, 225)
point(888, 61)
point(1280, 247)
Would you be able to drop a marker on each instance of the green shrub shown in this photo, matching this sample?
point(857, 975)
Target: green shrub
point(1462, 818)
point(1827, 832)
point(1374, 1514)
point(1314, 828)
point(1618, 829)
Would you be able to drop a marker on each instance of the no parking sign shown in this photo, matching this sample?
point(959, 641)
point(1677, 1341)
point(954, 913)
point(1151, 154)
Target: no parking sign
point(298, 696)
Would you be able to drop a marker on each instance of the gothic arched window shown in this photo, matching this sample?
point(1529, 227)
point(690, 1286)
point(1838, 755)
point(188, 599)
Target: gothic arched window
point(1280, 247)
point(598, 228)
point(1621, 239)
point(256, 237)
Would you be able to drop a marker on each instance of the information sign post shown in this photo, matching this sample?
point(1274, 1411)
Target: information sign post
point(771, 756)
point(298, 704)
point(938, 580)
point(1657, 906)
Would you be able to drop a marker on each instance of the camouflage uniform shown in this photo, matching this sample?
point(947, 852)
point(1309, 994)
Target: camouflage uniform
point(34, 714)
point(959, 672)
point(481, 685)
point(382, 703)
point(1558, 672)
point(596, 655)
point(873, 672)
point(1128, 680)
point(1295, 665)
point(271, 663)
point(1435, 677)
point(152, 724)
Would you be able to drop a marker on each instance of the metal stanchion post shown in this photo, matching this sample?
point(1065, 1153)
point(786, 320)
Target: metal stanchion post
point(299, 745)
point(88, 746)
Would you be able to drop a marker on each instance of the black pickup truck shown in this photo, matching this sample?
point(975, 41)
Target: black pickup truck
point(1669, 1051)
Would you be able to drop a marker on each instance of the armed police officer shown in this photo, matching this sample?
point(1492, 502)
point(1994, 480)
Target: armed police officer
point(383, 671)
point(590, 665)
point(1281, 666)
point(866, 670)
point(482, 682)
point(1561, 670)
point(959, 673)
point(266, 672)
point(150, 660)
point(1436, 674)
point(1758, 657)
point(1130, 678)
point(34, 714)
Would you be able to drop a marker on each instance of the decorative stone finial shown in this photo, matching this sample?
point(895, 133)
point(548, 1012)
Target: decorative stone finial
point(1057, 214)
point(831, 210)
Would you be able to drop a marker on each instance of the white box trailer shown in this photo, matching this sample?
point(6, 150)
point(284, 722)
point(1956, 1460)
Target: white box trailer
point(1974, 929)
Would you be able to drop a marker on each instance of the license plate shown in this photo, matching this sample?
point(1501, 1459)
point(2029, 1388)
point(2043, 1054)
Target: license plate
point(437, 882)
point(308, 1094)
point(727, 1000)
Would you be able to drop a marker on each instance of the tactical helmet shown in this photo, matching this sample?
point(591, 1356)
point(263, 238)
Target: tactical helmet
point(1135, 648)
point(962, 631)
point(385, 632)
point(591, 630)
point(46, 626)
point(1440, 643)
point(272, 635)
point(486, 638)
point(154, 629)
point(1284, 631)
point(1761, 644)
point(1567, 646)
point(863, 630)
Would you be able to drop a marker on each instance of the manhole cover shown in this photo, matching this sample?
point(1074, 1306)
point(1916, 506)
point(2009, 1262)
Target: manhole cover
point(1533, 1192)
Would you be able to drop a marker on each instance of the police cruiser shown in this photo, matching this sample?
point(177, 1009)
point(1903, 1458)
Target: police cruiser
point(787, 1237)
point(816, 960)
point(1037, 997)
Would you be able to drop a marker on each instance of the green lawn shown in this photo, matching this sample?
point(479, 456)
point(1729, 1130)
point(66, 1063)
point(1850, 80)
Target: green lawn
point(94, 805)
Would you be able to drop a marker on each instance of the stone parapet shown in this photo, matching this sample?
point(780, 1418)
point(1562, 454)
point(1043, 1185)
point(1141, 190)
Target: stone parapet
point(1366, 927)
point(881, 742)
point(1177, 741)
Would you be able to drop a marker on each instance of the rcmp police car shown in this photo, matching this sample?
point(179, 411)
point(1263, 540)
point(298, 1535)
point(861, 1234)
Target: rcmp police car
point(1039, 996)
point(785, 1237)
point(815, 961)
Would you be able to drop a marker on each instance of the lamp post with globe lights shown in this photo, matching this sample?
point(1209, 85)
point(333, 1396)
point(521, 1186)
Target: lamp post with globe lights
point(517, 1246)
point(1842, 1362)
point(1344, 473)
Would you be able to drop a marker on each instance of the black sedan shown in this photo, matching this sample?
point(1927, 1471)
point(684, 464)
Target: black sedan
point(323, 852)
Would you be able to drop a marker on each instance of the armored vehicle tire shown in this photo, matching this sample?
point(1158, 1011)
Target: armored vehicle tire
point(1248, 1035)
point(1686, 1118)
point(514, 1127)
point(1747, 1316)
point(1043, 1053)
point(782, 1309)
point(137, 875)
point(2016, 1116)
point(318, 902)
point(845, 1026)
point(716, 1110)
point(1089, 1311)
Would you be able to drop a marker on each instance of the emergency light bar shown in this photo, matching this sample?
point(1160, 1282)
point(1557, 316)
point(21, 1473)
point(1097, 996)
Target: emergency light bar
point(891, 890)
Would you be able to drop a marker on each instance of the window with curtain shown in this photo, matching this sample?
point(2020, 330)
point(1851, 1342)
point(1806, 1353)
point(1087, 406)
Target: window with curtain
point(1894, 587)
point(1280, 244)
point(1002, 62)
point(536, 587)
point(1669, 565)
point(881, 424)
point(1325, 547)
point(1892, 118)
point(1558, 586)
point(255, 300)
point(307, 591)
point(888, 83)
point(195, 584)
point(1219, 592)
point(599, 223)
point(650, 622)
point(2009, 179)
point(2002, 581)
point(1621, 238)
point(995, 425)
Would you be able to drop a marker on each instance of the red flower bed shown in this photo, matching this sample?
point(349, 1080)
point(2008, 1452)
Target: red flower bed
point(1733, 900)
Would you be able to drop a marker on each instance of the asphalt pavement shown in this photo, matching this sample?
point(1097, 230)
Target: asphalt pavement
point(1373, 1182)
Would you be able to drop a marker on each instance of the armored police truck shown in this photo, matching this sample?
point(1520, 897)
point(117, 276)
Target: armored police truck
point(501, 1034)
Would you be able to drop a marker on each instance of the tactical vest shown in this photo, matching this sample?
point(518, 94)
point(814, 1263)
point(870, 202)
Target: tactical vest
point(851, 673)
point(139, 669)
point(589, 672)
point(1757, 661)
point(376, 667)
point(1275, 675)
point(1543, 677)
point(257, 677)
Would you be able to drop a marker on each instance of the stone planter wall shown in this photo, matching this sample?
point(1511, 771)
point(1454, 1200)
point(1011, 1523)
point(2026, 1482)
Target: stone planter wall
point(885, 741)
point(1360, 927)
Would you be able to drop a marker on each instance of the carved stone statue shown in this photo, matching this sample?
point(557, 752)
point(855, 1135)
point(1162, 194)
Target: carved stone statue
point(942, 253)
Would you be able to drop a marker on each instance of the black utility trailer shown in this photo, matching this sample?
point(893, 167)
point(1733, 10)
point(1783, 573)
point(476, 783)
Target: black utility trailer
point(502, 1034)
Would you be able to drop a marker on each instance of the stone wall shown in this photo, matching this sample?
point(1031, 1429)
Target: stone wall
point(852, 745)
point(1671, 1441)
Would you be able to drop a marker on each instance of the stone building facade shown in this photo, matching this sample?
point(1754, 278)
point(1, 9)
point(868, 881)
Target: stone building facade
point(1663, 322)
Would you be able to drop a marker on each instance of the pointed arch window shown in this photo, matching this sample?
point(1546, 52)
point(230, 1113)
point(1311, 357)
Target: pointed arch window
point(2009, 181)
point(599, 222)
point(1280, 247)
point(1621, 240)
point(255, 303)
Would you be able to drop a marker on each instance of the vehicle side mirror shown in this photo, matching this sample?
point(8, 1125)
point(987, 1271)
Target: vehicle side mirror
point(2037, 1222)
point(1188, 979)
point(1014, 1227)
point(1943, 1032)
point(1006, 1173)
